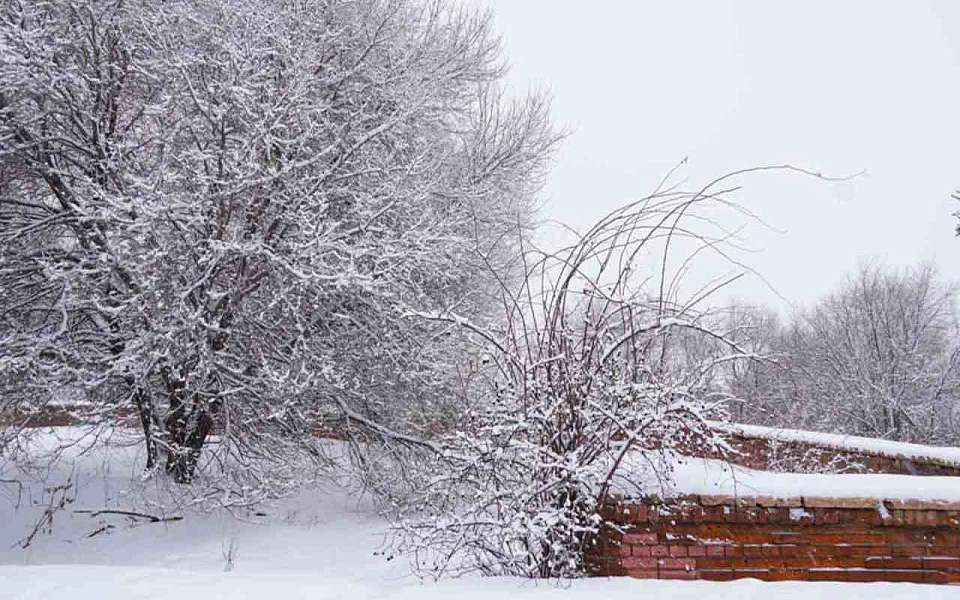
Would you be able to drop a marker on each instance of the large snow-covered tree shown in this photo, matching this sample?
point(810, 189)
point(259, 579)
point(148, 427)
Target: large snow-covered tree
point(219, 215)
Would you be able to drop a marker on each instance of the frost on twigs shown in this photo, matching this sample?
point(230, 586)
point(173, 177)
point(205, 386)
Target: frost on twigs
point(215, 216)
point(606, 357)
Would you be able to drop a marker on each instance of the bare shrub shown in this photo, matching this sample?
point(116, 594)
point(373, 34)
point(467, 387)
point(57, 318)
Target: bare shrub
point(583, 394)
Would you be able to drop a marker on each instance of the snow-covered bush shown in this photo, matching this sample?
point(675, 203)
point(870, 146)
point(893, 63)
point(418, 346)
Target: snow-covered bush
point(584, 379)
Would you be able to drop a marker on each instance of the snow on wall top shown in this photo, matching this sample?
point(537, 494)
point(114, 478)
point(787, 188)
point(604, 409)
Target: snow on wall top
point(914, 452)
point(692, 476)
point(705, 477)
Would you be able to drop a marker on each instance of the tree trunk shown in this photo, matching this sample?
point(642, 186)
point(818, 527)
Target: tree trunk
point(186, 435)
point(145, 412)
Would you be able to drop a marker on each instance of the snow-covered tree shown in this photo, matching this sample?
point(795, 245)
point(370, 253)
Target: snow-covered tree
point(217, 216)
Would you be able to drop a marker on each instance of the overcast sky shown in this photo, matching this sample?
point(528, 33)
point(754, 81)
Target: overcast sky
point(837, 87)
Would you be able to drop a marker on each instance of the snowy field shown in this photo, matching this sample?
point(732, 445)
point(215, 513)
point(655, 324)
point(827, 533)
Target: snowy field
point(321, 544)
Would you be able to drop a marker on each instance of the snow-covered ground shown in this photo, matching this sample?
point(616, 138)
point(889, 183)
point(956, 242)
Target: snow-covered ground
point(113, 583)
point(321, 544)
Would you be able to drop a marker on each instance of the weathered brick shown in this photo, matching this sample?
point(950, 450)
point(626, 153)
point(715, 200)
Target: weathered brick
point(922, 505)
point(904, 537)
point(812, 562)
point(763, 574)
point(772, 501)
point(944, 538)
point(908, 550)
point(673, 574)
point(715, 563)
point(870, 575)
point(930, 518)
point(715, 550)
point(861, 551)
point(604, 567)
point(898, 517)
point(635, 562)
point(641, 573)
point(815, 502)
point(640, 538)
point(692, 514)
point(717, 575)
point(659, 551)
point(826, 516)
point(611, 512)
point(792, 551)
point(778, 514)
point(894, 563)
point(756, 562)
point(948, 577)
point(676, 563)
point(935, 577)
point(941, 562)
point(754, 515)
point(820, 537)
point(713, 514)
point(769, 550)
point(639, 513)
point(706, 500)
point(865, 517)
point(786, 575)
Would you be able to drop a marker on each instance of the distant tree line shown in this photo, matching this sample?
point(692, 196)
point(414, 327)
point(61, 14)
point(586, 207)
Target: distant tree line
point(878, 357)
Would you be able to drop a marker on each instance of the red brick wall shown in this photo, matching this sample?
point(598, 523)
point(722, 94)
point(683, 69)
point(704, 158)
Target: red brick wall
point(818, 539)
point(50, 416)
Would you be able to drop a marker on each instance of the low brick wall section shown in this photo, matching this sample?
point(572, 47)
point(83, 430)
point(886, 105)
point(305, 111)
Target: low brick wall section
point(721, 538)
point(792, 456)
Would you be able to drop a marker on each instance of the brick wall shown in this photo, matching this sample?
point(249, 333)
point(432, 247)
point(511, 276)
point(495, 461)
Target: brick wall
point(770, 453)
point(49, 416)
point(722, 538)
point(802, 457)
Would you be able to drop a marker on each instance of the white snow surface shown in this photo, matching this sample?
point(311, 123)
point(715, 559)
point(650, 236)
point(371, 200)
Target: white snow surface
point(716, 477)
point(939, 454)
point(321, 544)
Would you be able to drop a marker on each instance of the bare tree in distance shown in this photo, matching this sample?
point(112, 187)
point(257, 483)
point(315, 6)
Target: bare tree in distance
point(878, 358)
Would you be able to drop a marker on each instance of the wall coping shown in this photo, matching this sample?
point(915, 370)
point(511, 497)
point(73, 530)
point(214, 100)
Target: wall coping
point(944, 456)
point(798, 502)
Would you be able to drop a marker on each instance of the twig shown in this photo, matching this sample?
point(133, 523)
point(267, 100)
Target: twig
point(129, 513)
point(106, 527)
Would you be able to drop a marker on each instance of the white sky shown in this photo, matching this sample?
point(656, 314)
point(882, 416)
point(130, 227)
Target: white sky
point(833, 86)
